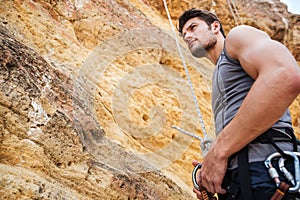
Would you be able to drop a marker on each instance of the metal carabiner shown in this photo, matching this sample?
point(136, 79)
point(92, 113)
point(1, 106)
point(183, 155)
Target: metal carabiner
point(194, 176)
point(273, 173)
point(297, 171)
point(271, 170)
point(295, 181)
point(204, 193)
point(288, 175)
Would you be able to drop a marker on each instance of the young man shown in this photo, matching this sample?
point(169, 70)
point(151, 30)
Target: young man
point(255, 81)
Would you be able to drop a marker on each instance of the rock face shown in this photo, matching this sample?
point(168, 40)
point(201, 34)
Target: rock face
point(90, 91)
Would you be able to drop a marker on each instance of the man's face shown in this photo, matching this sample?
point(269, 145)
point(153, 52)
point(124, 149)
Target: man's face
point(198, 36)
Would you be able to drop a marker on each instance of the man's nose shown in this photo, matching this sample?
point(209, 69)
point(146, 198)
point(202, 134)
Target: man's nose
point(187, 36)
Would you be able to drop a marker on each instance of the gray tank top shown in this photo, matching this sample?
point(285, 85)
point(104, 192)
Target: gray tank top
point(230, 86)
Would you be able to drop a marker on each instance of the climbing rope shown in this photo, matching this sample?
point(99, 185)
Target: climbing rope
point(188, 77)
point(229, 2)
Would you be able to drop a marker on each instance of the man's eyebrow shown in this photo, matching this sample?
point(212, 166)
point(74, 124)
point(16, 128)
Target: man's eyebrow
point(188, 27)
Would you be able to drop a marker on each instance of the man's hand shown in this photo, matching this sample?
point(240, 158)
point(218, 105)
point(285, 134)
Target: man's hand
point(195, 190)
point(203, 194)
point(213, 171)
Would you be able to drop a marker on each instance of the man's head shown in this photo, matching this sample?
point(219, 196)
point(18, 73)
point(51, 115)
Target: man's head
point(201, 30)
point(206, 16)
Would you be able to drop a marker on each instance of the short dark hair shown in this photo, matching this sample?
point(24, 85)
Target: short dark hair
point(204, 15)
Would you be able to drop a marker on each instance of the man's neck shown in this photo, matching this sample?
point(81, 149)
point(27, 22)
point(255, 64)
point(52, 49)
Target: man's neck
point(215, 52)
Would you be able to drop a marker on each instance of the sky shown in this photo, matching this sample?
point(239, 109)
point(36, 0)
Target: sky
point(293, 6)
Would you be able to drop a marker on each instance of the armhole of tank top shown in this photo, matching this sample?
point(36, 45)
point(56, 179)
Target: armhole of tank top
point(230, 59)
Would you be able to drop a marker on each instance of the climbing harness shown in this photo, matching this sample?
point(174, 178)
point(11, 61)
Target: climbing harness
point(271, 136)
point(293, 181)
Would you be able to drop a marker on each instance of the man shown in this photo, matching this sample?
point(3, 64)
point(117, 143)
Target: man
point(255, 81)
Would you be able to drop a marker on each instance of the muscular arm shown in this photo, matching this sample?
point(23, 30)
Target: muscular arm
point(277, 84)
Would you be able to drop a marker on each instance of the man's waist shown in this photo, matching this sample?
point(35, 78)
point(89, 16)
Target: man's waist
point(260, 151)
point(275, 135)
point(262, 146)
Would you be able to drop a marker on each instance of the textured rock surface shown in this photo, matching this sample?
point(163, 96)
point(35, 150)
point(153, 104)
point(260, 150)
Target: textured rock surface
point(90, 91)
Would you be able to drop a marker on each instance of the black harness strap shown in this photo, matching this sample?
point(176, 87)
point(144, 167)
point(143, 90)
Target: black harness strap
point(243, 188)
point(244, 175)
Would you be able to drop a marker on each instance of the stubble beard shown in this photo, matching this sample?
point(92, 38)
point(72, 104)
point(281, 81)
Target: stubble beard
point(201, 50)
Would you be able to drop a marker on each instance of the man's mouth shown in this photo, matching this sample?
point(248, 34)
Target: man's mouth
point(190, 43)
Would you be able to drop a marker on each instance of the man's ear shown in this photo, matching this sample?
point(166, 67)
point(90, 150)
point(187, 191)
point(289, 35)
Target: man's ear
point(215, 27)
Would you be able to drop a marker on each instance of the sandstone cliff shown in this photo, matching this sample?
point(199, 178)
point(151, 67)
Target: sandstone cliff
point(90, 90)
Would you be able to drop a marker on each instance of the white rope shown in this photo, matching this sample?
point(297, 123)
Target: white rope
point(187, 133)
point(232, 13)
point(186, 71)
point(235, 11)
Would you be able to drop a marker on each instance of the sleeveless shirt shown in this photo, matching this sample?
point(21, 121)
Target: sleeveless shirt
point(231, 85)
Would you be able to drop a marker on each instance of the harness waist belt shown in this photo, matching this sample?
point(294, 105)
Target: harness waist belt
point(277, 134)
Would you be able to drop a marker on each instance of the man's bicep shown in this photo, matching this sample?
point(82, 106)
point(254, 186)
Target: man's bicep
point(264, 57)
point(253, 49)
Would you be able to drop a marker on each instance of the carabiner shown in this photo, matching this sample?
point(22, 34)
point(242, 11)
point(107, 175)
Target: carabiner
point(271, 170)
point(204, 193)
point(194, 176)
point(273, 173)
point(297, 171)
point(288, 175)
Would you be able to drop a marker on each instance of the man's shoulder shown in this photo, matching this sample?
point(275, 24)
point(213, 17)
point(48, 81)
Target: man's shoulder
point(246, 30)
point(244, 37)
